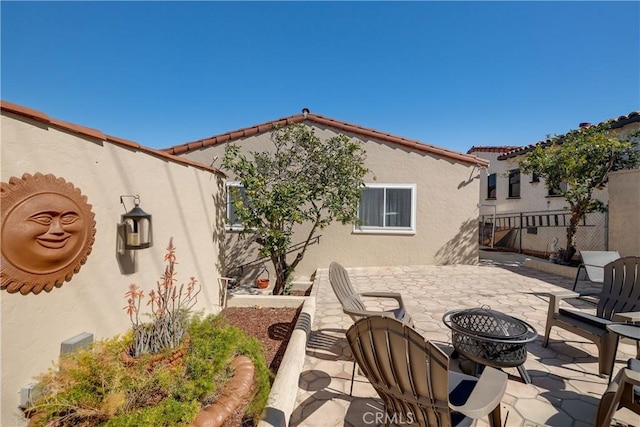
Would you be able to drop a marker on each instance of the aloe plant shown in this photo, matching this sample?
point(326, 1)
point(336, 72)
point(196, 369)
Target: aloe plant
point(170, 307)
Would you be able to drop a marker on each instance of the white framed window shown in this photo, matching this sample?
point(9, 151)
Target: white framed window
point(387, 208)
point(232, 219)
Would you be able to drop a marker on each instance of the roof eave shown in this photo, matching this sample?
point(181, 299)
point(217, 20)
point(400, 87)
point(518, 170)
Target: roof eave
point(325, 121)
point(97, 134)
point(617, 123)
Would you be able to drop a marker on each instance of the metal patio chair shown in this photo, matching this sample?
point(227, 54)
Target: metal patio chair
point(620, 295)
point(413, 379)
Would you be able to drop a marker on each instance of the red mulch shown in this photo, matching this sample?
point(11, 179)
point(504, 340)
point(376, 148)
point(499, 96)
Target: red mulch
point(272, 327)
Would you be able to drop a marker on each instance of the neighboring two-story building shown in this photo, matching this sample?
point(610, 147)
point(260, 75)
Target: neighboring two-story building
point(518, 210)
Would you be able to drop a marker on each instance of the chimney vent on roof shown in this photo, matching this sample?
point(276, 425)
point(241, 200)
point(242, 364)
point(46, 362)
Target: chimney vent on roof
point(305, 111)
point(584, 125)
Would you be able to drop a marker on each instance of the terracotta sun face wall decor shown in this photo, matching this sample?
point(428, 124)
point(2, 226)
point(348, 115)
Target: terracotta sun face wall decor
point(48, 230)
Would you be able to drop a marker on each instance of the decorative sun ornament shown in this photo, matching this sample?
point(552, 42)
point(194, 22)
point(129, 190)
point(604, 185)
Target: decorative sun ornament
point(48, 230)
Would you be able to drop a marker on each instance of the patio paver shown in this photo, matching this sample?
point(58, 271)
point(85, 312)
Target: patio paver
point(565, 389)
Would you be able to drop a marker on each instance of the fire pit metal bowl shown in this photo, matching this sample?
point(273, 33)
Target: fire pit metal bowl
point(490, 338)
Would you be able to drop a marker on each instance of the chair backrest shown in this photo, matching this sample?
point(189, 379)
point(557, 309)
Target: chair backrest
point(341, 284)
point(408, 373)
point(621, 287)
point(594, 262)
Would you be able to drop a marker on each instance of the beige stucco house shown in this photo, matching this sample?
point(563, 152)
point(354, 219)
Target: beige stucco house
point(185, 194)
point(508, 195)
point(184, 198)
point(438, 187)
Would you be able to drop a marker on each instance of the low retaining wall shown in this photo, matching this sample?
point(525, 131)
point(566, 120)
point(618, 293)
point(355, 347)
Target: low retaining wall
point(284, 390)
point(549, 267)
point(265, 301)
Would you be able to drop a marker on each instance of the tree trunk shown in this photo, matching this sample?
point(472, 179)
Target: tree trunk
point(279, 263)
point(576, 214)
point(571, 231)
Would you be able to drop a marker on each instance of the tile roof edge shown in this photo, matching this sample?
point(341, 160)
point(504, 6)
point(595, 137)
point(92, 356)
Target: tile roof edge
point(161, 154)
point(492, 149)
point(319, 119)
point(232, 135)
point(24, 111)
point(97, 134)
point(616, 123)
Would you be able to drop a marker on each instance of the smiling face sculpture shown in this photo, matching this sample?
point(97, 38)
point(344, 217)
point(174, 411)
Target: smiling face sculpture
point(47, 233)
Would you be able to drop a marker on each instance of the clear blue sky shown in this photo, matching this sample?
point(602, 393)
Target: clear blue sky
point(453, 74)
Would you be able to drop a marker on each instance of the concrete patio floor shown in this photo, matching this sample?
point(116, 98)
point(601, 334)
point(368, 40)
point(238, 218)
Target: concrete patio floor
point(565, 389)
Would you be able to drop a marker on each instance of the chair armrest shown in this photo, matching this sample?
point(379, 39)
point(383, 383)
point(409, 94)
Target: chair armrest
point(564, 294)
point(629, 317)
point(589, 293)
point(631, 377)
point(393, 295)
point(367, 313)
point(556, 297)
point(485, 396)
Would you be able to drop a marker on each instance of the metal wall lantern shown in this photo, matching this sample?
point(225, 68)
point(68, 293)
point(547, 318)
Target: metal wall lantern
point(136, 225)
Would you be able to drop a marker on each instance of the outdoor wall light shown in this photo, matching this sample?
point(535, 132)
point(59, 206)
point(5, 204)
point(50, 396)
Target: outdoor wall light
point(136, 225)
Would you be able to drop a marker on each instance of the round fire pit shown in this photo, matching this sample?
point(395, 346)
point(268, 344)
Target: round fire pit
point(490, 337)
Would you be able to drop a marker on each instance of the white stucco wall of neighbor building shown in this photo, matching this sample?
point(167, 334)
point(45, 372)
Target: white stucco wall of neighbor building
point(534, 201)
point(624, 212)
point(183, 199)
point(446, 190)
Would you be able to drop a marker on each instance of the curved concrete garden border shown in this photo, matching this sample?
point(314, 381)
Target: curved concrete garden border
point(233, 395)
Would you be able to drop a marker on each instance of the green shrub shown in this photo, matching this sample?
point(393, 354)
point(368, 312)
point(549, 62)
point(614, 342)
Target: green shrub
point(94, 387)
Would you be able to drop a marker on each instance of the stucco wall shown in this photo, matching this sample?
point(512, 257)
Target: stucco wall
point(184, 202)
point(446, 229)
point(533, 195)
point(624, 208)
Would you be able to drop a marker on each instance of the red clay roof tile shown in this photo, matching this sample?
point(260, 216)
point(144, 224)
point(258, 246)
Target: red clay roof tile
point(336, 124)
point(79, 129)
point(492, 149)
point(617, 123)
point(24, 111)
point(94, 133)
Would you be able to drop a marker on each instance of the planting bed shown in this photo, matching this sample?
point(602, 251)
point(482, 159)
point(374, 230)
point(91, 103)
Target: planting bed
point(272, 327)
